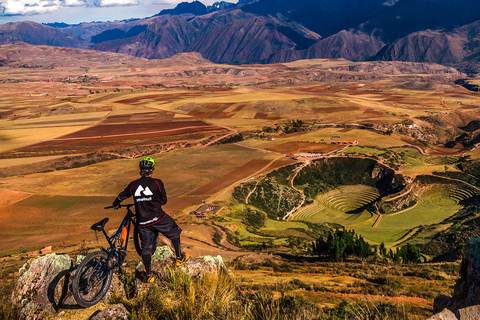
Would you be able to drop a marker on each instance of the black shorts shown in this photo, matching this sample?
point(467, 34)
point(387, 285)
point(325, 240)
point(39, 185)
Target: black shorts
point(149, 235)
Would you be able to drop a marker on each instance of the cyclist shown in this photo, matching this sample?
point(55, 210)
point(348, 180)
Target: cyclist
point(149, 196)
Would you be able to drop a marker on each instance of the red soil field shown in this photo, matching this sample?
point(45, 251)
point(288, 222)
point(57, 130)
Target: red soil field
point(176, 204)
point(130, 131)
point(160, 116)
point(334, 109)
point(160, 97)
point(240, 173)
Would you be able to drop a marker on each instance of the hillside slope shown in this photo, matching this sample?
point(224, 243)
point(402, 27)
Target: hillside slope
point(457, 47)
point(35, 33)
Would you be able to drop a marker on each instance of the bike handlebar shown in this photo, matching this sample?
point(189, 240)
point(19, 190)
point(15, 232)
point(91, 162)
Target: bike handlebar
point(120, 206)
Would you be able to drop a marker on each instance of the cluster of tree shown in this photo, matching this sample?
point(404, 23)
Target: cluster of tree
point(408, 253)
point(233, 138)
point(294, 126)
point(254, 218)
point(340, 244)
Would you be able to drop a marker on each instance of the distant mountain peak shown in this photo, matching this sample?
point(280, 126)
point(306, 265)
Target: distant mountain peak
point(195, 7)
point(389, 3)
point(220, 5)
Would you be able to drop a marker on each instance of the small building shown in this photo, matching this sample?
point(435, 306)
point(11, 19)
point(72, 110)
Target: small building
point(205, 209)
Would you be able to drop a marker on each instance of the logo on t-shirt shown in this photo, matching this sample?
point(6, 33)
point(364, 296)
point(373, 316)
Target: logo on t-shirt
point(143, 192)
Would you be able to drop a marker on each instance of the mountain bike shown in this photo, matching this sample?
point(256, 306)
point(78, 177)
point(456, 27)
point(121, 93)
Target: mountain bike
point(94, 274)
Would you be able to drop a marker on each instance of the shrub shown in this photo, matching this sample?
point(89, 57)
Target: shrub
point(255, 219)
point(211, 297)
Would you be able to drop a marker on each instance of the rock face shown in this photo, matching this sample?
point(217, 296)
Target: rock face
point(466, 296)
point(40, 284)
point(43, 285)
point(113, 312)
point(163, 264)
point(444, 315)
point(467, 289)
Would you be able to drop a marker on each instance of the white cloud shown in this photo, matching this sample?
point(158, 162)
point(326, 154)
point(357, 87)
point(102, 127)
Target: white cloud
point(27, 7)
point(74, 3)
point(33, 7)
point(115, 3)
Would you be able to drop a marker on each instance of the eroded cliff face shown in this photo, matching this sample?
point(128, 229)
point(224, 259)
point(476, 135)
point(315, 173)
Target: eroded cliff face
point(437, 128)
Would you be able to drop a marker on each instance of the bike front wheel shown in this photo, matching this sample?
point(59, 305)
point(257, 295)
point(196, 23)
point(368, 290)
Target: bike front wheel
point(92, 279)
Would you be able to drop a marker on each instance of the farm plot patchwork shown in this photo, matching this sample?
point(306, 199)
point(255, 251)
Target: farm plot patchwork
point(115, 136)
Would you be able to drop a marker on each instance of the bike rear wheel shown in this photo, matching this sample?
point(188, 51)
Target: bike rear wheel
point(91, 283)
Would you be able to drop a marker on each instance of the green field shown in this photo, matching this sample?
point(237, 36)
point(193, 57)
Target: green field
point(332, 206)
point(435, 205)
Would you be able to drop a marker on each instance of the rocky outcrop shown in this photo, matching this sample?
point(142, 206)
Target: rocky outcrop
point(113, 312)
point(444, 315)
point(467, 289)
point(163, 265)
point(465, 302)
point(43, 285)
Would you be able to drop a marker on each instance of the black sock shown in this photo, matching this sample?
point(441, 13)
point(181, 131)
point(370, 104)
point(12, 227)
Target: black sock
point(176, 246)
point(147, 262)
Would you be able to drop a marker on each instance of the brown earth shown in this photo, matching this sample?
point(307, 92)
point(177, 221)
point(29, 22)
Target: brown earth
point(292, 147)
point(236, 175)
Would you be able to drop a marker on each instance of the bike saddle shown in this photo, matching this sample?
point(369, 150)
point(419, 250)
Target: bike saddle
point(99, 225)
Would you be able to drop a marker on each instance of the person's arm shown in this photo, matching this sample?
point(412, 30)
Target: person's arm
point(125, 194)
point(163, 194)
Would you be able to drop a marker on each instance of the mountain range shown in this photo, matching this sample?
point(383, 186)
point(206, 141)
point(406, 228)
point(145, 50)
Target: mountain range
point(270, 31)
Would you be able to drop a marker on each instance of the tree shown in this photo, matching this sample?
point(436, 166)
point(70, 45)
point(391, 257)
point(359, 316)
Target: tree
point(255, 219)
point(341, 244)
point(383, 249)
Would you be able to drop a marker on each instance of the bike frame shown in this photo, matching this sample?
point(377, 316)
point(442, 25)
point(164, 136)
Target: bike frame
point(113, 251)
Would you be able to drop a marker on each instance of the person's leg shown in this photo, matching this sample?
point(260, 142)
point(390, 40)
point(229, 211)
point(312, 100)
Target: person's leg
point(176, 246)
point(169, 228)
point(147, 262)
point(147, 237)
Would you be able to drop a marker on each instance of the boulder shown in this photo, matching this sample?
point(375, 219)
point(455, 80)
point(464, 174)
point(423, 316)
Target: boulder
point(470, 313)
point(444, 315)
point(41, 284)
point(44, 285)
point(467, 289)
point(441, 302)
point(113, 312)
point(163, 264)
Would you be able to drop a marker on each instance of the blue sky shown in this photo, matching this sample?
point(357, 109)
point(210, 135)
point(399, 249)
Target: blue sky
point(76, 11)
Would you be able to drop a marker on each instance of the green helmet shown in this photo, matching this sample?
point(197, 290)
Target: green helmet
point(147, 164)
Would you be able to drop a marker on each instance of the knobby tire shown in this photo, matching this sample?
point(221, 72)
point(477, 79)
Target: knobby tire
point(87, 289)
